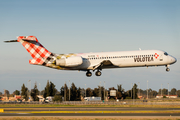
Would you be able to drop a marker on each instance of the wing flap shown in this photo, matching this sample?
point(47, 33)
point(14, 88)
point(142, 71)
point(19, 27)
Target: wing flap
point(103, 63)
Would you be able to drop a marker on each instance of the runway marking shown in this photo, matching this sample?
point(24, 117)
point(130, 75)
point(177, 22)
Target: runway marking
point(23, 113)
point(1, 110)
point(92, 112)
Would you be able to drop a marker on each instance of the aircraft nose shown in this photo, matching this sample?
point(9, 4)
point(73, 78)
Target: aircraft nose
point(173, 60)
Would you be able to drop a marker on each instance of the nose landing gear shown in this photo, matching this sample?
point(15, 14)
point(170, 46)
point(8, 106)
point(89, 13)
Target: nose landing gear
point(167, 69)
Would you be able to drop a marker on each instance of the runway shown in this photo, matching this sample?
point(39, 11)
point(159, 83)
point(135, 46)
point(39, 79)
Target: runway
point(92, 114)
point(90, 111)
point(10, 109)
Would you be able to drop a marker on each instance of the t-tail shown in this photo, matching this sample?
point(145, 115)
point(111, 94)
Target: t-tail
point(40, 55)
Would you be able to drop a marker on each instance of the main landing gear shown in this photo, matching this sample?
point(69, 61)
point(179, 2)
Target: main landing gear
point(98, 73)
point(89, 74)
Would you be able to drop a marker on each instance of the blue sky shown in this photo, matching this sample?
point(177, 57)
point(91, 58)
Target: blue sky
point(89, 26)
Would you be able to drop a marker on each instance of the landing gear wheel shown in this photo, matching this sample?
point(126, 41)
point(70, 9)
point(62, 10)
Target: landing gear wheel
point(98, 73)
point(167, 69)
point(88, 74)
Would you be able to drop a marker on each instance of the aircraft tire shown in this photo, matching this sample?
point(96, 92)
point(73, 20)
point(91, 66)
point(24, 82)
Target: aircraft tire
point(88, 74)
point(167, 69)
point(98, 73)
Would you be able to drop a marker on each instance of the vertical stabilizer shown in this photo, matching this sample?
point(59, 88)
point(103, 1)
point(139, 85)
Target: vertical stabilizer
point(39, 54)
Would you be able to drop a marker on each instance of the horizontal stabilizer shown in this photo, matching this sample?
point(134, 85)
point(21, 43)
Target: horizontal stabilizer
point(30, 41)
point(11, 41)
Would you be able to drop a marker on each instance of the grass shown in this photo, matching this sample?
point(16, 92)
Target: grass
point(89, 118)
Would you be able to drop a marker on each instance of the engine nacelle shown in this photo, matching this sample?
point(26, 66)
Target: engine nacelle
point(70, 61)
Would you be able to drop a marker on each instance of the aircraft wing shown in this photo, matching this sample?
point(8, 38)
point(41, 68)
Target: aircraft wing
point(103, 63)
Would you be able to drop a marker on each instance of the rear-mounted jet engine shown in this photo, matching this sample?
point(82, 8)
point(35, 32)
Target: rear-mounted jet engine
point(70, 61)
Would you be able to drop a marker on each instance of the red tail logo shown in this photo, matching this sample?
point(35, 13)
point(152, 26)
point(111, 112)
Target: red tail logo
point(35, 49)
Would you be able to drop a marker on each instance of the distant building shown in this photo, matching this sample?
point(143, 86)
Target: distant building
point(140, 97)
point(41, 98)
point(17, 97)
point(167, 96)
point(92, 98)
point(112, 92)
point(12, 98)
point(4, 98)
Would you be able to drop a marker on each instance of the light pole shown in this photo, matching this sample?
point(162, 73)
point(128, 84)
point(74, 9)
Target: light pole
point(147, 89)
point(65, 91)
point(131, 90)
point(29, 89)
point(85, 90)
point(100, 89)
point(69, 90)
point(40, 88)
point(30, 84)
point(104, 90)
point(139, 89)
point(168, 90)
point(161, 90)
point(133, 93)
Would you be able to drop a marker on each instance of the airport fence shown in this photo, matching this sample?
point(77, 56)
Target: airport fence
point(117, 103)
point(97, 103)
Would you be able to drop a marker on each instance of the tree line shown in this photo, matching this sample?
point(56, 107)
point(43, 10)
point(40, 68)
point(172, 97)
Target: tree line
point(76, 94)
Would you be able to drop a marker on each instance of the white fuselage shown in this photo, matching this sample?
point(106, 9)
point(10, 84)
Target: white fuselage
point(125, 59)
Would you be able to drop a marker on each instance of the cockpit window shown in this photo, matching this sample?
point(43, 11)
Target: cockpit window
point(166, 53)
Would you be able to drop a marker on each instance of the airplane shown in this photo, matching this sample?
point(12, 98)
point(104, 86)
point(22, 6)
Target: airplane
point(93, 61)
